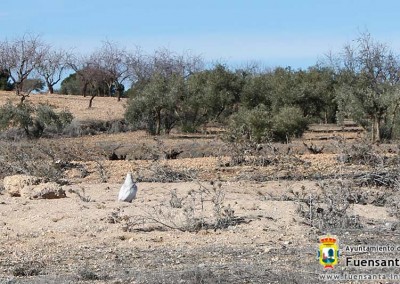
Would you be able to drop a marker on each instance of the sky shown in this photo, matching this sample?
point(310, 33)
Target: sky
point(271, 33)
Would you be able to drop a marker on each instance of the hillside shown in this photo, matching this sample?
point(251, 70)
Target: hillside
point(104, 108)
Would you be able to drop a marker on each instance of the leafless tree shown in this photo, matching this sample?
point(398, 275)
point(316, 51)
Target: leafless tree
point(20, 58)
point(113, 61)
point(53, 66)
point(92, 77)
point(81, 66)
point(139, 67)
point(164, 62)
point(32, 84)
point(98, 81)
point(167, 63)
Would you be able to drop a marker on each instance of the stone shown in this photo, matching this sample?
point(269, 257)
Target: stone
point(14, 184)
point(31, 187)
point(48, 190)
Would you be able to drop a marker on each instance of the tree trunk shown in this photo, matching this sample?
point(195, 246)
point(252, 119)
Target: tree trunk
point(158, 123)
point(376, 124)
point(84, 89)
point(393, 116)
point(22, 99)
point(50, 87)
point(17, 89)
point(91, 100)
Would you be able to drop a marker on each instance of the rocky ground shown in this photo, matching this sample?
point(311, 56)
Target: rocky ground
point(97, 239)
point(267, 236)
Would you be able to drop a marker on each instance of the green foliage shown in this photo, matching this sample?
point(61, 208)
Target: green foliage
point(287, 123)
point(220, 93)
point(315, 94)
point(19, 116)
point(369, 77)
point(193, 111)
point(155, 103)
point(139, 115)
point(71, 85)
point(257, 125)
point(257, 90)
point(250, 125)
point(65, 117)
point(49, 118)
point(33, 85)
point(167, 99)
point(5, 85)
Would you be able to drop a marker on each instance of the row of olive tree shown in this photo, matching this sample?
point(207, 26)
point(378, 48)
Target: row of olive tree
point(183, 94)
point(361, 83)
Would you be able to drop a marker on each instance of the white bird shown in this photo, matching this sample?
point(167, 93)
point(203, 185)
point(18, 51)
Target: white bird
point(128, 190)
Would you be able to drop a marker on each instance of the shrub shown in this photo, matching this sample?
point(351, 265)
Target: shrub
point(252, 125)
point(331, 210)
point(287, 123)
point(19, 116)
point(139, 116)
point(199, 209)
point(33, 120)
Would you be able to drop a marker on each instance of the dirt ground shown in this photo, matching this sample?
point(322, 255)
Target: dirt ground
point(89, 237)
point(104, 108)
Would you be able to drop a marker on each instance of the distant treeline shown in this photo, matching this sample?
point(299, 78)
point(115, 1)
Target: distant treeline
point(168, 90)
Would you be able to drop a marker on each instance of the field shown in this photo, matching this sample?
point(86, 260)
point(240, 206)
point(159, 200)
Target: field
point(218, 213)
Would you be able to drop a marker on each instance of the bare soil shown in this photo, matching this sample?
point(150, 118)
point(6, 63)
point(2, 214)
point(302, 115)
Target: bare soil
point(91, 238)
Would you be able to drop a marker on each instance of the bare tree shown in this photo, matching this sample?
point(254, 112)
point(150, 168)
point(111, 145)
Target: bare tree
point(91, 76)
point(137, 63)
point(98, 81)
point(114, 62)
point(20, 57)
point(80, 64)
point(53, 66)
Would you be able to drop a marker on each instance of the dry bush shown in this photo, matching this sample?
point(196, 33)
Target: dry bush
point(157, 172)
point(44, 158)
point(87, 273)
point(81, 194)
point(384, 178)
point(28, 269)
point(78, 128)
point(31, 159)
point(329, 210)
point(362, 153)
point(200, 209)
point(392, 201)
point(244, 152)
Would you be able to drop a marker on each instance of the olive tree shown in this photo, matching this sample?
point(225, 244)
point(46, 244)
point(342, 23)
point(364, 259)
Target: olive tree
point(4, 81)
point(158, 93)
point(370, 75)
